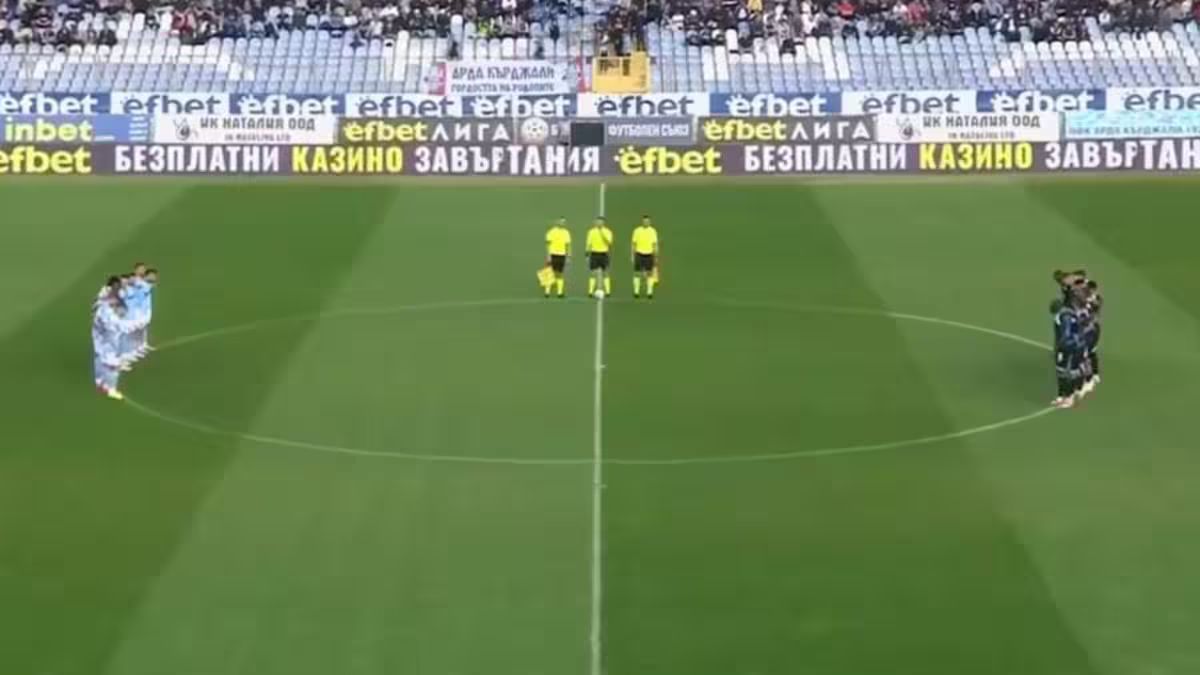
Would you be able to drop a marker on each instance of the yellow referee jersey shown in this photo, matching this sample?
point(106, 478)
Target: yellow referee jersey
point(645, 240)
point(558, 240)
point(599, 240)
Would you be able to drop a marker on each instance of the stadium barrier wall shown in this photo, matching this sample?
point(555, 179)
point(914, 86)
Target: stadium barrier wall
point(566, 105)
point(475, 159)
point(946, 132)
point(330, 130)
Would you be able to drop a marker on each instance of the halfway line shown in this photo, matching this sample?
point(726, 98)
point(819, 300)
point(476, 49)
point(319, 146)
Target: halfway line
point(598, 484)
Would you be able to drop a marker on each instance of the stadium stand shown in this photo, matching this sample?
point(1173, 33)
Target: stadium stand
point(735, 46)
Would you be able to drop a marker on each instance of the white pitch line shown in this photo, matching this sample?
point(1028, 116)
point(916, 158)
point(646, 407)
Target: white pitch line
point(596, 636)
point(582, 461)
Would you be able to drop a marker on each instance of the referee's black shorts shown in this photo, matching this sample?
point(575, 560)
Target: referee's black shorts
point(643, 262)
point(597, 261)
point(558, 263)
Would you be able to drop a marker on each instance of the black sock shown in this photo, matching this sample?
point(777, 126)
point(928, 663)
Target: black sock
point(1064, 386)
point(1095, 361)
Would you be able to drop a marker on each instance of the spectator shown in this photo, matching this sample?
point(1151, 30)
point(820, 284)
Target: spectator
point(620, 30)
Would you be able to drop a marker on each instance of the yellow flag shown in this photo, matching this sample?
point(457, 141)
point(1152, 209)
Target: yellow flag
point(655, 275)
point(545, 276)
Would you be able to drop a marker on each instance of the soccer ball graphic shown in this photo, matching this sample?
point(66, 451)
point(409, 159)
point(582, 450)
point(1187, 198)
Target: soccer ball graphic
point(535, 131)
point(600, 294)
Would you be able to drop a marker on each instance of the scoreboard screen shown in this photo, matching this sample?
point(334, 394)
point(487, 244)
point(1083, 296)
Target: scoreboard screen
point(587, 134)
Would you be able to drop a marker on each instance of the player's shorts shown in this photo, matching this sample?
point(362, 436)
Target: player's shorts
point(106, 356)
point(597, 261)
point(558, 263)
point(1066, 362)
point(643, 262)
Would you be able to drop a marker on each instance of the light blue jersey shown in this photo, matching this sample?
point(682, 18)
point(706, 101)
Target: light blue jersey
point(146, 299)
point(107, 329)
point(128, 295)
point(136, 299)
point(140, 300)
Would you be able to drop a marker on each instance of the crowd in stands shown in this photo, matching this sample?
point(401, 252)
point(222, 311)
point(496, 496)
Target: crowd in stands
point(71, 22)
point(708, 22)
point(62, 24)
point(65, 23)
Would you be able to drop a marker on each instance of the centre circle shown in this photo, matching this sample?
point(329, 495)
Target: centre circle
point(512, 382)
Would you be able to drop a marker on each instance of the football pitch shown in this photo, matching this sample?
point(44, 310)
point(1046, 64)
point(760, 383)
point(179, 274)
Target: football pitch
point(368, 446)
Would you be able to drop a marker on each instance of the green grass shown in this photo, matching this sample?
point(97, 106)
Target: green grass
point(376, 458)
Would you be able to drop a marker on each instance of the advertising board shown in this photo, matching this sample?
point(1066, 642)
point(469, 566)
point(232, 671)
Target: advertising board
point(245, 129)
point(643, 105)
point(969, 127)
point(75, 129)
point(47, 160)
point(1153, 99)
point(413, 130)
point(1131, 124)
point(769, 104)
point(556, 160)
point(909, 102)
point(841, 128)
point(509, 76)
point(1148, 154)
point(492, 91)
point(666, 131)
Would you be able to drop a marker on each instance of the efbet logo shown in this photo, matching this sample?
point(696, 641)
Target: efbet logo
point(1040, 101)
point(741, 131)
point(650, 105)
point(156, 103)
point(34, 160)
point(663, 161)
point(1145, 100)
point(772, 105)
point(906, 103)
point(52, 104)
point(282, 104)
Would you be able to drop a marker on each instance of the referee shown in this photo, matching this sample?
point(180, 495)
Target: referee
point(645, 257)
point(558, 247)
point(599, 246)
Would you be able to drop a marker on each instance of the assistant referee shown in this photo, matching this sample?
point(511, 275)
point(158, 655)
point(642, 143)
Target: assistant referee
point(599, 248)
point(558, 247)
point(645, 257)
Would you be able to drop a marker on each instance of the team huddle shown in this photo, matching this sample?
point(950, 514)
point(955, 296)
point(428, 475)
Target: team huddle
point(1076, 337)
point(121, 319)
point(644, 254)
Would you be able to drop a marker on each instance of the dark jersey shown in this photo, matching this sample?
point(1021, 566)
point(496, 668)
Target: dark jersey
point(1091, 324)
point(1089, 314)
point(1068, 330)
